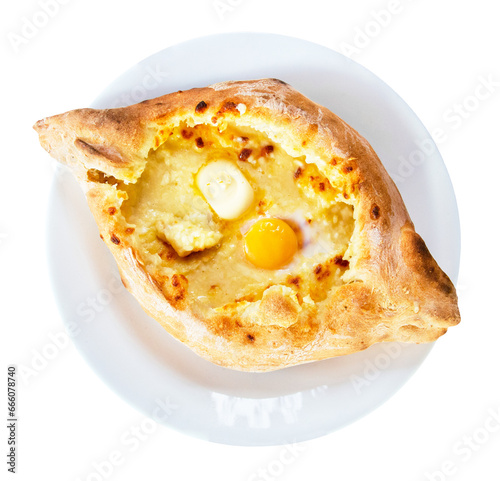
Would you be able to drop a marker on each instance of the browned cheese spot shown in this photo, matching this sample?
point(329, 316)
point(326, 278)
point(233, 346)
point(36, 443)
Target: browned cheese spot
point(339, 261)
point(320, 183)
point(375, 212)
point(265, 151)
point(321, 272)
point(177, 292)
point(201, 107)
point(186, 134)
point(297, 173)
point(261, 207)
point(199, 143)
point(295, 280)
point(228, 107)
point(114, 239)
point(244, 154)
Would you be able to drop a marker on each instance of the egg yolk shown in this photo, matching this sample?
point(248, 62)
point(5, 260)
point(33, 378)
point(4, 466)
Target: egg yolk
point(270, 243)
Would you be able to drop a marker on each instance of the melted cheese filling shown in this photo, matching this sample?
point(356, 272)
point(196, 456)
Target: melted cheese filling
point(176, 231)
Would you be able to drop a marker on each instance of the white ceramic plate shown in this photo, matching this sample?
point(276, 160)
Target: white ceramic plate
point(161, 377)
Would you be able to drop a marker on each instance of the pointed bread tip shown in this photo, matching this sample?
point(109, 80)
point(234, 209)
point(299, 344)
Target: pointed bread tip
point(40, 125)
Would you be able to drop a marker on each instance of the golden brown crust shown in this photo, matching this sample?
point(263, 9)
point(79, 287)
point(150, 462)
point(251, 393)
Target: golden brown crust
point(394, 289)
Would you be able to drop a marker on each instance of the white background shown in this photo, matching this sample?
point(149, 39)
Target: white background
point(440, 425)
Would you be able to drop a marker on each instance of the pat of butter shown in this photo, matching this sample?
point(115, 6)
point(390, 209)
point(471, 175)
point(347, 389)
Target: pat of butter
point(225, 188)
